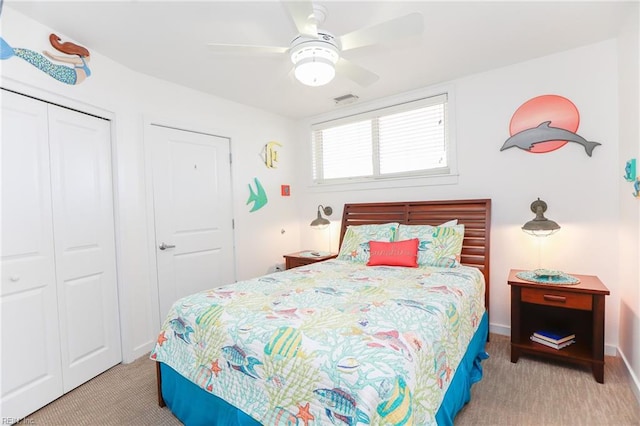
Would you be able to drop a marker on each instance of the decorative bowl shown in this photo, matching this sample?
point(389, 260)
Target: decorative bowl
point(546, 273)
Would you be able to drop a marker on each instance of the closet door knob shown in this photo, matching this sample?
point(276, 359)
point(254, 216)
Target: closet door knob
point(14, 278)
point(164, 246)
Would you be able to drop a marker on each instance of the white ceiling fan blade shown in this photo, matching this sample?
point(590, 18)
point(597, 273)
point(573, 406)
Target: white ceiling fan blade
point(393, 29)
point(301, 13)
point(356, 73)
point(245, 49)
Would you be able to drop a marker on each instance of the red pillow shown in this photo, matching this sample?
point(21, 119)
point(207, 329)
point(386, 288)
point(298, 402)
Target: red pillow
point(399, 253)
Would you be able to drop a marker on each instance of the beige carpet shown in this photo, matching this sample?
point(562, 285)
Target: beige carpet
point(537, 392)
point(531, 392)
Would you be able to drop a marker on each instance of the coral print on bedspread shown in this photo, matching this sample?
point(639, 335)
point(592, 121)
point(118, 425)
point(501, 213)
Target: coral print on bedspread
point(335, 342)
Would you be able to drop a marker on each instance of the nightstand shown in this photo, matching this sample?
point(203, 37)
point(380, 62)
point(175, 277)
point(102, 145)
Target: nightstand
point(577, 308)
point(305, 257)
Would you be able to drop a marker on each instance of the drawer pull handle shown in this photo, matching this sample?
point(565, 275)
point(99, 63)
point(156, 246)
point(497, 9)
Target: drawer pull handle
point(552, 298)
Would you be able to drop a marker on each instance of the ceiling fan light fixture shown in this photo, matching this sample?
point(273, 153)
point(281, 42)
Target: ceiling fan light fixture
point(315, 62)
point(315, 71)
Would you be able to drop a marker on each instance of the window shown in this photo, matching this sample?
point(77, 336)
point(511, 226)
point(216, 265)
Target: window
point(410, 139)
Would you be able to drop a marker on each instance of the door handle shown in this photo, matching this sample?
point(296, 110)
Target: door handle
point(164, 246)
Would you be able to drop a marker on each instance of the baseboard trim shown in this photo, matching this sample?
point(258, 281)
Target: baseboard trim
point(611, 350)
point(138, 351)
point(635, 383)
point(505, 330)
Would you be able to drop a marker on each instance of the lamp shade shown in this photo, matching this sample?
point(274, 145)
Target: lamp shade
point(540, 226)
point(322, 222)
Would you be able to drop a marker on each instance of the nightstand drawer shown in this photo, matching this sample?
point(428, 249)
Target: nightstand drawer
point(560, 298)
point(294, 263)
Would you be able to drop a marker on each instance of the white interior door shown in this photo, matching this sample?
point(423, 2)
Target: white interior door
point(80, 147)
point(31, 369)
point(193, 213)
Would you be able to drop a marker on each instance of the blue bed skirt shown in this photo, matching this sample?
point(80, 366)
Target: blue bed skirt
point(194, 406)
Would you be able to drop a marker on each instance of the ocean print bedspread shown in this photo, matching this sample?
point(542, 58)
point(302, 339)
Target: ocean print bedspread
point(334, 342)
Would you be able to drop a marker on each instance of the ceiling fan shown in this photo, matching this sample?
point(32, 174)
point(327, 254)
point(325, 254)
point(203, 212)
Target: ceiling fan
point(316, 53)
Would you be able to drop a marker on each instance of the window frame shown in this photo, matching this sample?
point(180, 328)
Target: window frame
point(390, 105)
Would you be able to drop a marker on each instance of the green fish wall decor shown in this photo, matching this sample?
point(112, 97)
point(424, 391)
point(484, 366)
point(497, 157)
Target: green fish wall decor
point(257, 197)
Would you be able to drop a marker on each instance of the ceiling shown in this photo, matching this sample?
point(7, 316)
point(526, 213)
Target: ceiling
point(168, 40)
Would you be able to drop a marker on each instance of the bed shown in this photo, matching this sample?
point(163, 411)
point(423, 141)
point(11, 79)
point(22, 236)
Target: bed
point(353, 340)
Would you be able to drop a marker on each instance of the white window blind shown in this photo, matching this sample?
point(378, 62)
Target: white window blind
point(409, 139)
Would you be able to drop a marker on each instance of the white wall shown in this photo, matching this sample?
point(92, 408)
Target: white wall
point(584, 194)
point(581, 191)
point(131, 98)
point(629, 72)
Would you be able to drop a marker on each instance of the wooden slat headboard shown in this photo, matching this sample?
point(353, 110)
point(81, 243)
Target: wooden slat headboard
point(475, 215)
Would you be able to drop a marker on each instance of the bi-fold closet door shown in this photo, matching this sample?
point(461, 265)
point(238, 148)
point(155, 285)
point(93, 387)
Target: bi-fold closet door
point(58, 295)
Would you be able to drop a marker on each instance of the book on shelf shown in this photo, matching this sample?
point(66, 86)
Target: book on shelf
point(552, 345)
point(554, 336)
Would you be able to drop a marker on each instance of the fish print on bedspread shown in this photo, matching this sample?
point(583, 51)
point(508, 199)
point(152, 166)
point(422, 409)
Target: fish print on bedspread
point(332, 343)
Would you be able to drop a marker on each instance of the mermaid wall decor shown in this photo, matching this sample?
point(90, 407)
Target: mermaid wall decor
point(76, 56)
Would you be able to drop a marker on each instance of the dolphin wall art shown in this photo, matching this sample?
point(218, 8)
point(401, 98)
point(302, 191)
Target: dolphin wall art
point(526, 139)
